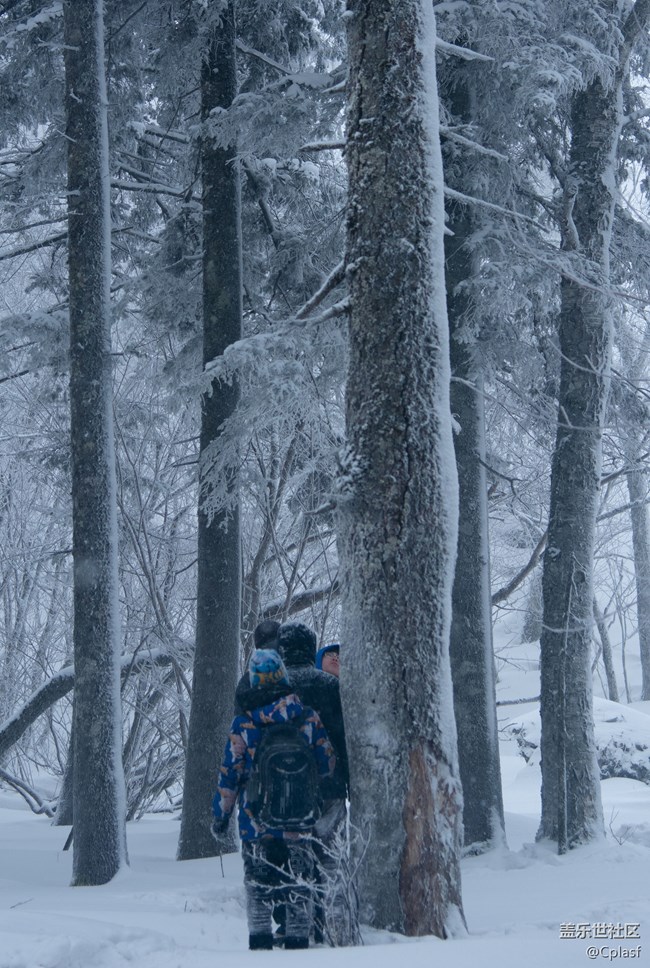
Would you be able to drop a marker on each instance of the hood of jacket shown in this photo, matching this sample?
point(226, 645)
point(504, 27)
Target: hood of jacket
point(334, 647)
point(296, 644)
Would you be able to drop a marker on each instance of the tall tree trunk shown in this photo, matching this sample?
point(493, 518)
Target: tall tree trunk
point(637, 485)
point(606, 646)
point(571, 802)
point(471, 651)
point(635, 416)
point(100, 837)
point(219, 553)
point(398, 517)
point(532, 625)
point(64, 806)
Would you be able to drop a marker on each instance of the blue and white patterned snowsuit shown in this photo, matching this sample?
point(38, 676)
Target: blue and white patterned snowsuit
point(278, 864)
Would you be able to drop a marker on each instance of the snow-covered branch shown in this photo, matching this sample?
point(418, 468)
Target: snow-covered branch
point(59, 686)
point(34, 801)
point(301, 601)
point(509, 212)
point(443, 47)
point(252, 52)
point(33, 246)
point(323, 146)
point(335, 278)
point(448, 132)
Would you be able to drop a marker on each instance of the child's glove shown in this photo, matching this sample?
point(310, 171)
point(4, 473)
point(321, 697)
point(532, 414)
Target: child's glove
point(219, 827)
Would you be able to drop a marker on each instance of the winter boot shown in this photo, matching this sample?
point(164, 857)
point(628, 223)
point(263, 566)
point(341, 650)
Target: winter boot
point(260, 942)
point(293, 944)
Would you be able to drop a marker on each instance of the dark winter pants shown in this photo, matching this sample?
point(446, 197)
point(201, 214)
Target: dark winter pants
point(278, 872)
point(329, 857)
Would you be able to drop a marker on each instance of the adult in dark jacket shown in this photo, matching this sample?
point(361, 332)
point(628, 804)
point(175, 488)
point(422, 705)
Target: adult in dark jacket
point(296, 643)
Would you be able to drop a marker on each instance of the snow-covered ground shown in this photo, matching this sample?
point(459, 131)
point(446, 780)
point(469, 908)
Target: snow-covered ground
point(163, 914)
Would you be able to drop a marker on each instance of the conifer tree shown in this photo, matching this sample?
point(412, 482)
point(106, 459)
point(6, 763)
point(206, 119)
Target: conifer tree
point(216, 656)
point(99, 808)
point(398, 507)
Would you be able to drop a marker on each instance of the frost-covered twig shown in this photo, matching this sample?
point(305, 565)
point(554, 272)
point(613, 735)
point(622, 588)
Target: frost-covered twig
point(336, 894)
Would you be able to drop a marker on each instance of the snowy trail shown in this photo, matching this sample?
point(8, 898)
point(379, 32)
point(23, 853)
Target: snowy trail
point(163, 914)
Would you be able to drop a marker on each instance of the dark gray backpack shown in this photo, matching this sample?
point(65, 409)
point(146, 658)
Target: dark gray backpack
point(283, 788)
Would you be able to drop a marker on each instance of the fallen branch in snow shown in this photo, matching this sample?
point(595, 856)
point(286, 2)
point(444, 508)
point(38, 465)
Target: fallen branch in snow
point(33, 800)
point(517, 702)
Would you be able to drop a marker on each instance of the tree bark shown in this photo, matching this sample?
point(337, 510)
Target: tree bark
point(606, 645)
point(571, 802)
point(471, 651)
point(585, 344)
point(637, 485)
point(218, 618)
point(64, 815)
point(398, 512)
point(100, 832)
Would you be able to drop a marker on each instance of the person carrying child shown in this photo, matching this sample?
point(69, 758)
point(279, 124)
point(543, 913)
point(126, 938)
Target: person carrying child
point(276, 755)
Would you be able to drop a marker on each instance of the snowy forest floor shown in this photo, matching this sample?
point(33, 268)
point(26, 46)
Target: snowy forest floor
point(163, 914)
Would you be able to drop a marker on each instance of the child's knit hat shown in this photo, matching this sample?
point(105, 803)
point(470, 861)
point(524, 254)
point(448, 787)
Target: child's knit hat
point(266, 668)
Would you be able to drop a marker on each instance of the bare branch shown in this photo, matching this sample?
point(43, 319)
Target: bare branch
point(335, 278)
point(301, 601)
point(521, 576)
